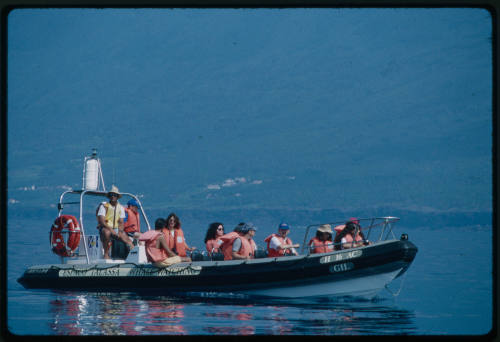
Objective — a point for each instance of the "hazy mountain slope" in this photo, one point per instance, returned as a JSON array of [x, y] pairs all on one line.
[[344, 109]]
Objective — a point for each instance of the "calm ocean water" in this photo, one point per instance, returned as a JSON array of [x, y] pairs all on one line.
[[447, 291]]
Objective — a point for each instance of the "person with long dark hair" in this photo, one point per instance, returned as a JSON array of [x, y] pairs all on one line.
[[212, 238], [351, 236], [175, 236], [157, 250]]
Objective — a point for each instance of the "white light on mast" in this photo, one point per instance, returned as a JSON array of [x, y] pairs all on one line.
[[92, 172]]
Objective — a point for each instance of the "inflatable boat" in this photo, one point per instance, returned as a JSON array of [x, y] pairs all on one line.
[[358, 271]]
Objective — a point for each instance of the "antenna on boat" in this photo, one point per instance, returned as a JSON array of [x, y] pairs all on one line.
[[92, 173]]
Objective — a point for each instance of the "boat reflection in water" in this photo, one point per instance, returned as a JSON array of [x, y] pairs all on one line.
[[131, 314], [110, 314]]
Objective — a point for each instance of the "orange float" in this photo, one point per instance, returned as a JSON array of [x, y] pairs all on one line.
[[62, 224]]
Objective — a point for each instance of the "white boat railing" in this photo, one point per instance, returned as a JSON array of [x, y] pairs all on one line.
[[81, 195], [367, 226]]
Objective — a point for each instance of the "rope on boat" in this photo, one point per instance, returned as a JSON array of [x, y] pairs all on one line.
[[172, 269], [84, 270], [400, 286], [177, 269]]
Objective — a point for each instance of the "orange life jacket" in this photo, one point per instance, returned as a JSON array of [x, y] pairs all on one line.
[[153, 253], [271, 252], [227, 244], [176, 242], [213, 245], [133, 223], [247, 247], [341, 227], [321, 246]]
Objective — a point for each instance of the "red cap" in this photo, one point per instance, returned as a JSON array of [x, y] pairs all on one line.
[[355, 220]]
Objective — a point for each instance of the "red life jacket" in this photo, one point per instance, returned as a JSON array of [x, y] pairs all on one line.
[[321, 246], [153, 253], [227, 244], [271, 252], [176, 242], [133, 223]]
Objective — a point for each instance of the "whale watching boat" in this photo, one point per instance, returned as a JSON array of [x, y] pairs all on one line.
[[359, 271]]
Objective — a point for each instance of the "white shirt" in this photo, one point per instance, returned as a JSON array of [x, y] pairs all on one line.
[[275, 244]]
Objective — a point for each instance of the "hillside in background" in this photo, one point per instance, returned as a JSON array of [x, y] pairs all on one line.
[[350, 110]]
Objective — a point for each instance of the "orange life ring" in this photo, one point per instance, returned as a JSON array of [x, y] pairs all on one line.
[[59, 246]]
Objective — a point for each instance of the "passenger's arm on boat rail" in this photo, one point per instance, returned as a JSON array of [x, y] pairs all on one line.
[[290, 248]]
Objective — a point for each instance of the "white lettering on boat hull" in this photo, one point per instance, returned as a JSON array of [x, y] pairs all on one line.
[[340, 256], [37, 271], [341, 267]]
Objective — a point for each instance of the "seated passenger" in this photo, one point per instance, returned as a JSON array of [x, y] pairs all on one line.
[[239, 244], [175, 236], [279, 244], [322, 242], [212, 238], [132, 222], [227, 241], [157, 250], [341, 227], [351, 236], [110, 216]]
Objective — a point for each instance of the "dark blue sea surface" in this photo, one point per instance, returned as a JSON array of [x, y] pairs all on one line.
[[446, 291]]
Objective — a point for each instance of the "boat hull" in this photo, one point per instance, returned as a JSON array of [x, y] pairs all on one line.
[[360, 271]]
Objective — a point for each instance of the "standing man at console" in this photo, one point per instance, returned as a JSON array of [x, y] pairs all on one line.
[[110, 217]]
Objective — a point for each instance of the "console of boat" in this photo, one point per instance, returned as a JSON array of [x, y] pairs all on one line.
[[358, 271]]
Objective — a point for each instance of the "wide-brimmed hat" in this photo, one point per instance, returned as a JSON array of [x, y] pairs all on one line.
[[114, 190], [325, 228]]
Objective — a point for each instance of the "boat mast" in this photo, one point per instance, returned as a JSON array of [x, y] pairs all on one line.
[[93, 180]]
